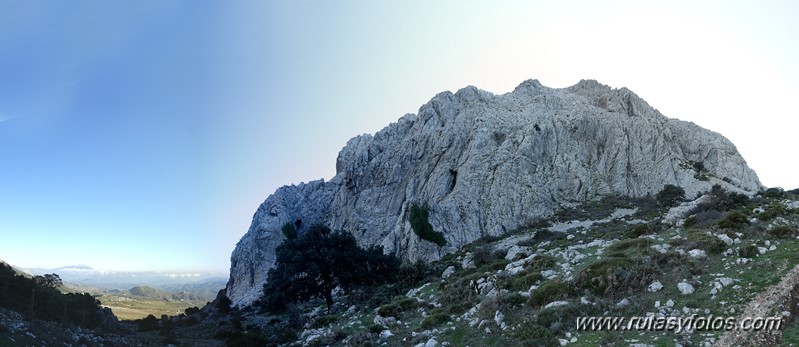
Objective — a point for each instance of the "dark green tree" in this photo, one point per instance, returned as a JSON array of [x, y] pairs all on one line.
[[419, 216], [222, 302], [289, 231], [317, 262], [670, 195]]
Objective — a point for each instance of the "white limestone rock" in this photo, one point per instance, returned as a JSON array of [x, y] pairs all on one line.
[[655, 286], [448, 272], [685, 288], [515, 251], [486, 164], [697, 254]]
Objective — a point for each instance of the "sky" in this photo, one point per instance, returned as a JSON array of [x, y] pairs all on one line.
[[143, 135]]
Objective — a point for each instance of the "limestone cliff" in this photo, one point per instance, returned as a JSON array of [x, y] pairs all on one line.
[[486, 164]]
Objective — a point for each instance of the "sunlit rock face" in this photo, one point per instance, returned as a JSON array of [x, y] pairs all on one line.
[[486, 164]]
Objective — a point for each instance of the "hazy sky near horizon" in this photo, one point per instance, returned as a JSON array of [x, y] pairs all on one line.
[[144, 134]]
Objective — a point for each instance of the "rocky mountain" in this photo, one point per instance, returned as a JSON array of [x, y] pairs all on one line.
[[484, 164]]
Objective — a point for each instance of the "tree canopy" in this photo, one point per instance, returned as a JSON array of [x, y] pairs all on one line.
[[317, 262], [670, 195]]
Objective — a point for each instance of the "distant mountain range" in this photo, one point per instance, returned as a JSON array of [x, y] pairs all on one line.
[[87, 278]]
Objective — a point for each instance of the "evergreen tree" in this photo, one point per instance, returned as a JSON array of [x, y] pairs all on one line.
[[317, 262]]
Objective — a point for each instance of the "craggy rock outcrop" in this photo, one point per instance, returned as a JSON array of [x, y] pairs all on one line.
[[486, 164]]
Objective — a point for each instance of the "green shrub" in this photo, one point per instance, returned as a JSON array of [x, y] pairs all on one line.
[[550, 291], [774, 193], [748, 251], [543, 262], [434, 320], [419, 219], [637, 231], [734, 220], [629, 245], [771, 211], [562, 317], [324, 321], [523, 283], [289, 231], [532, 334], [458, 297], [407, 304], [495, 266], [670, 195], [502, 302], [375, 328], [390, 310], [782, 232], [689, 222], [614, 276], [703, 241]]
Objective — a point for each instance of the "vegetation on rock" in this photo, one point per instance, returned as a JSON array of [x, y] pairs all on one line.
[[418, 217]]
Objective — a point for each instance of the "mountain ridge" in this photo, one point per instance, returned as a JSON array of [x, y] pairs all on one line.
[[485, 164]]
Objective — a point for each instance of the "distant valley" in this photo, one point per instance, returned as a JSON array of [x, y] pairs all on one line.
[[136, 294]]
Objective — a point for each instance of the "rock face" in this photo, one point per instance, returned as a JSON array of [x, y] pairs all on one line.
[[486, 164]]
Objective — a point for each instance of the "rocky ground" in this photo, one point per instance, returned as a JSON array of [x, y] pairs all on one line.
[[609, 258]]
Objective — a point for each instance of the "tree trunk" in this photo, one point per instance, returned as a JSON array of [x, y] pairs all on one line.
[[329, 299]]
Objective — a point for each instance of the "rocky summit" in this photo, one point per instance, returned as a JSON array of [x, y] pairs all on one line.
[[483, 164]]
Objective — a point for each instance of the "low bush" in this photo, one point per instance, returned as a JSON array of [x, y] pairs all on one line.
[[560, 318], [484, 255], [543, 262], [532, 334], [375, 328], [550, 291], [503, 303], [703, 241], [458, 297], [748, 251], [703, 218], [434, 320], [615, 276], [637, 231], [323, 321], [771, 211], [782, 232], [631, 245], [774, 193], [523, 283], [390, 310], [734, 220]]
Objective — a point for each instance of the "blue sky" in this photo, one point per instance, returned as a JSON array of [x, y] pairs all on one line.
[[144, 134]]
